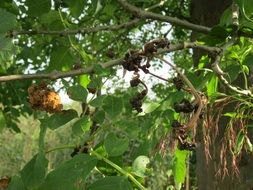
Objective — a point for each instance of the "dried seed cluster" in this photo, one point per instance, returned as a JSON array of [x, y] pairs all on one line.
[[137, 101], [43, 98], [132, 61], [179, 84], [184, 106], [152, 46], [186, 146], [180, 133], [79, 149]]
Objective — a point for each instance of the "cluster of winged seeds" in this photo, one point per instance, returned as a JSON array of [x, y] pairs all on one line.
[[43, 98]]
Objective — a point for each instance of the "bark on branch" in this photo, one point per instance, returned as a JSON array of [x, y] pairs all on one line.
[[154, 16]]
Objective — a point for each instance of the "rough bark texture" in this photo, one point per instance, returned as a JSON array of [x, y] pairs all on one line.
[[208, 12]]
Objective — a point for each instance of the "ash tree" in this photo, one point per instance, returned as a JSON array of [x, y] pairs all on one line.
[[188, 128]]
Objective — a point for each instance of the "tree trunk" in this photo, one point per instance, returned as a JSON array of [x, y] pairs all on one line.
[[208, 12]]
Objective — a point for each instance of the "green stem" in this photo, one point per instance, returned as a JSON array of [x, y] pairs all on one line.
[[43, 130], [60, 148], [122, 171]]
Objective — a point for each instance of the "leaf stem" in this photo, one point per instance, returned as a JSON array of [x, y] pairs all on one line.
[[43, 130], [60, 148], [121, 170]]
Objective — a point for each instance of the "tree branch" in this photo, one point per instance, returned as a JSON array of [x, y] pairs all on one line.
[[220, 74], [174, 21], [129, 24], [57, 74]]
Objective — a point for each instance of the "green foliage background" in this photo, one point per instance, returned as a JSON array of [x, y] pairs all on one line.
[[123, 153]]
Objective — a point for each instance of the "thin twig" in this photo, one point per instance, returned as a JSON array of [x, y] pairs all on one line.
[[57, 74], [158, 77], [200, 101], [66, 32]]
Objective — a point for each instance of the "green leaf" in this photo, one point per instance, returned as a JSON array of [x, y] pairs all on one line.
[[226, 18], [139, 165], [112, 106], [248, 144], [16, 183], [115, 146], [61, 59], [233, 71], [97, 102], [131, 127], [34, 172], [111, 183], [70, 173], [76, 7], [109, 9], [51, 20], [98, 8], [2, 121], [37, 8], [59, 119], [96, 82], [245, 69], [230, 114], [179, 166], [99, 117], [82, 125], [212, 86], [84, 80], [219, 31], [239, 142], [150, 107], [77, 93], [7, 21]]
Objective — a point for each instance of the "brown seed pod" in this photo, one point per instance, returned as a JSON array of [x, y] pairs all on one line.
[[110, 53], [184, 106], [92, 90], [76, 151], [179, 84], [132, 61], [176, 124], [135, 82]]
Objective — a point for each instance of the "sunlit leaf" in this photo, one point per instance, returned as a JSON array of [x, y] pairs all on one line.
[[139, 165], [179, 166], [82, 125]]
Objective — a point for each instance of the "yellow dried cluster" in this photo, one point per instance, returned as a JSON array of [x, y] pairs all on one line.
[[43, 98]]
